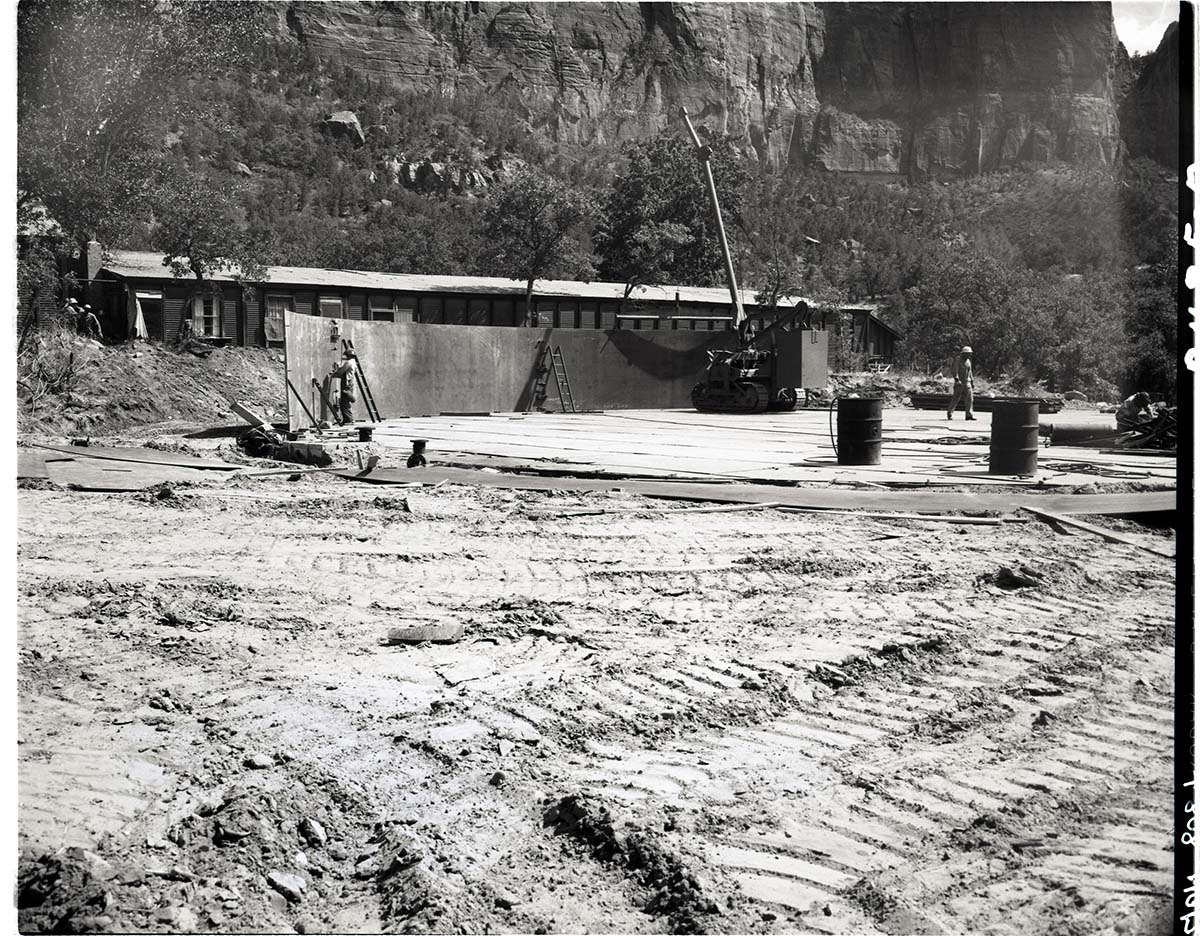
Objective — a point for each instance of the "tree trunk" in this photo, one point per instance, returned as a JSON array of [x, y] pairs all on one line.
[[530, 315], [624, 297]]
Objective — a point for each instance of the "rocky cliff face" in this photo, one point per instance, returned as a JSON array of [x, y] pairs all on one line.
[[1150, 111], [896, 89]]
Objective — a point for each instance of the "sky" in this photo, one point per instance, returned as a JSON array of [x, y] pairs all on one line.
[[1141, 23]]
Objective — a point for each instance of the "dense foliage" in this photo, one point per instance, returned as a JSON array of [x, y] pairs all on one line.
[[656, 224], [1060, 275], [535, 228]]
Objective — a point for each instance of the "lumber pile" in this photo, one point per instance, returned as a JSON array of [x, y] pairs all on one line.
[[983, 402], [1159, 432]]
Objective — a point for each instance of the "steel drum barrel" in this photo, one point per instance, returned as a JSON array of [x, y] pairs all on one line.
[[859, 430], [1014, 442]]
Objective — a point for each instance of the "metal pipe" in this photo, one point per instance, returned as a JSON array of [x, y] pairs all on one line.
[[703, 152]]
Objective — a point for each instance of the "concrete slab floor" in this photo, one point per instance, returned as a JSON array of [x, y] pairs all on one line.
[[919, 446]]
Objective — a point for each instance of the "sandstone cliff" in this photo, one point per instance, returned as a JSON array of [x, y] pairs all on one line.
[[1150, 111], [912, 89]]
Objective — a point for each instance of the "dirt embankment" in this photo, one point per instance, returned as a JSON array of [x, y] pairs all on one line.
[[67, 384]]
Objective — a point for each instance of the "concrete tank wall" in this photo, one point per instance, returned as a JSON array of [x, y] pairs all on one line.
[[417, 370]]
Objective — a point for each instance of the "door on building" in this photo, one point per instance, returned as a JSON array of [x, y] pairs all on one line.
[[151, 302]]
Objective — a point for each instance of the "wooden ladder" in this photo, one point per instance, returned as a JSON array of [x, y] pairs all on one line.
[[559, 366], [364, 388], [551, 362]]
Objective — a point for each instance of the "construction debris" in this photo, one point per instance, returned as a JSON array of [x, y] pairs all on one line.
[[1158, 432], [249, 415], [426, 633], [1110, 535], [264, 442]]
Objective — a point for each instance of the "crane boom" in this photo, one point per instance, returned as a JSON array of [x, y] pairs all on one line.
[[703, 152]]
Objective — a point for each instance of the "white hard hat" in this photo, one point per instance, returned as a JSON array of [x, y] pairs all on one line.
[[967, 349]]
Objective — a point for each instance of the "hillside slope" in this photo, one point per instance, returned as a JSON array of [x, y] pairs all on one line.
[[118, 387], [900, 89], [1150, 111]]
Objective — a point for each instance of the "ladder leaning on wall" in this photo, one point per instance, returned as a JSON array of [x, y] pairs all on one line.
[[551, 363]]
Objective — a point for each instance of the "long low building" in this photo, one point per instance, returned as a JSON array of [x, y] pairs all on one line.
[[227, 312]]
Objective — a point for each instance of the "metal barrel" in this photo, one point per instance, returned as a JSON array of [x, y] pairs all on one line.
[[859, 430], [1014, 443], [365, 433]]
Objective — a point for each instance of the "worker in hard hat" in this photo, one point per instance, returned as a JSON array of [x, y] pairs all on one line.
[[344, 373], [964, 385], [90, 325]]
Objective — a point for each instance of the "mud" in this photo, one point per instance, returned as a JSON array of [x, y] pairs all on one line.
[[646, 727]]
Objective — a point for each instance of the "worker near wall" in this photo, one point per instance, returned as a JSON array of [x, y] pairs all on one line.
[[344, 372], [1133, 411], [964, 385], [89, 324]]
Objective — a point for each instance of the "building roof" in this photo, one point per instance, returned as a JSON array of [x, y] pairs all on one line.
[[880, 322], [136, 264]]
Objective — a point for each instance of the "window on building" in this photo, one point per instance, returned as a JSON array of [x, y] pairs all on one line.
[[456, 310], [568, 313], [502, 312], [431, 310], [381, 308], [587, 314], [206, 316], [545, 312], [331, 307], [273, 317], [406, 308], [479, 312], [608, 315]]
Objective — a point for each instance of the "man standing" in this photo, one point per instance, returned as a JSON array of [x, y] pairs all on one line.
[[344, 372], [91, 324], [964, 385]]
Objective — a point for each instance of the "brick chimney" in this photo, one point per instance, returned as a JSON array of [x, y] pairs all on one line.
[[93, 259]]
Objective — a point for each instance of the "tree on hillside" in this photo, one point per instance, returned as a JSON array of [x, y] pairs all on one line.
[[963, 297], [199, 232], [776, 240], [1069, 329], [656, 222], [647, 256], [1152, 325], [533, 229], [97, 80]]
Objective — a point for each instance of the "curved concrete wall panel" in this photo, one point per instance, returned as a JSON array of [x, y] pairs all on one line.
[[417, 370]]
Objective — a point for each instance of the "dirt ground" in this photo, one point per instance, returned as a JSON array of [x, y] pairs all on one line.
[[680, 722]]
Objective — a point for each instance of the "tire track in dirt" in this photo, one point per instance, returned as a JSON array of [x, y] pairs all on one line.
[[908, 800], [714, 706], [839, 734]]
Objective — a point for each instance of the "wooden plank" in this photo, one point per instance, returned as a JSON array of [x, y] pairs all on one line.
[[811, 497], [551, 469], [725, 508], [145, 456], [934, 518], [431, 633], [94, 474], [1110, 535], [249, 415], [31, 465]]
